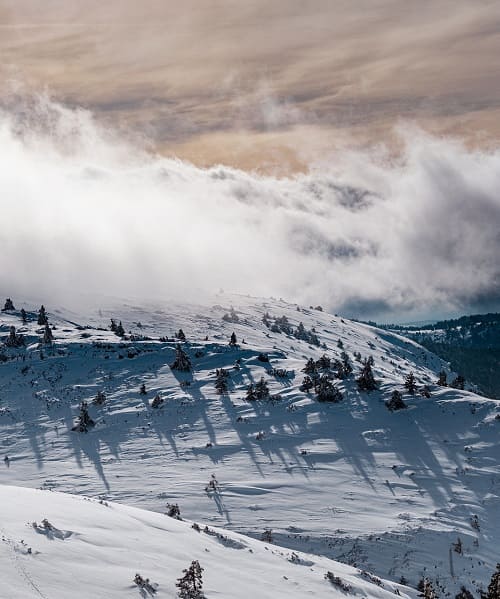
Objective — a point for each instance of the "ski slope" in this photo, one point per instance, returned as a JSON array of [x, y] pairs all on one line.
[[387, 492]]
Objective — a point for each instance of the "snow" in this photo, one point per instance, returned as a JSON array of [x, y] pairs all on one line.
[[387, 492], [95, 548]]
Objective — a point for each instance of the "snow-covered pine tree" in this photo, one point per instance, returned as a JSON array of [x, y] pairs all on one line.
[[396, 402], [84, 421], [42, 316], [221, 376], [120, 331], [442, 379], [366, 380], [14, 340], [233, 341], [251, 395], [9, 305], [47, 338], [307, 384], [261, 389], [346, 363], [326, 391], [191, 584], [180, 335], [182, 361], [310, 367], [24, 316], [410, 383]]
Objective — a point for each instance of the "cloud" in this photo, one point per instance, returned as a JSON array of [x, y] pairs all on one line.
[[85, 212]]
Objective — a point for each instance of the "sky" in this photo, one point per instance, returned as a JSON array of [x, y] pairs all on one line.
[[330, 151]]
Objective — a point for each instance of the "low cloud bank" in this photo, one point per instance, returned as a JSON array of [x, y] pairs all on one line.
[[83, 212]]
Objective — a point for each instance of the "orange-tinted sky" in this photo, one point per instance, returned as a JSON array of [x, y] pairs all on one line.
[[259, 84]]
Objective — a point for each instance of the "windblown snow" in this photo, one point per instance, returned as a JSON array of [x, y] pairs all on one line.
[[406, 495]]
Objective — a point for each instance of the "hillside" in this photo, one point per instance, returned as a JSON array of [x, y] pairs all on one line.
[[471, 344], [89, 548], [388, 492]]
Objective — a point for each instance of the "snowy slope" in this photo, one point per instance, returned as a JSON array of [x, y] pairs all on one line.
[[387, 492], [95, 549]]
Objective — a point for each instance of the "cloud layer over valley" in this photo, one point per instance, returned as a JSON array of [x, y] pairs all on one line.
[[364, 234]]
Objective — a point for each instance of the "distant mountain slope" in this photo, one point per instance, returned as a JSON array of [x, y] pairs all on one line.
[[89, 548], [471, 344], [389, 492]]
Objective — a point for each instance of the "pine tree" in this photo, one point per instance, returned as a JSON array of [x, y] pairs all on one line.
[[142, 389], [442, 379], [410, 383], [191, 584], [326, 391], [346, 363], [84, 421], [323, 363], [42, 316], [182, 361], [180, 335], [366, 380], [494, 586], [9, 305], [261, 389], [233, 341], [310, 367], [14, 340], [426, 589], [24, 316], [119, 330], [251, 395], [47, 338], [464, 594], [307, 384], [221, 375], [99, 399], [396, 402]]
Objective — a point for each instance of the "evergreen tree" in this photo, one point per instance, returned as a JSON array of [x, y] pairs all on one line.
[[346, 363], [410, 383], [182, 361], [340, 345], [261, 389], [494, 586], [42, 316], [307, 384], [426, 589], [251, 395], [323, 363], [47, 338], [233, 341], [99, 399], [180, 335], [14, 340], [326, 391], [366, 380], [310, 367], [142, 389], [396, 402], [24, 316], [84, 421], [221, 376], [9, 305], [119, 330], [442, 379], [464, 594], [191, 584]]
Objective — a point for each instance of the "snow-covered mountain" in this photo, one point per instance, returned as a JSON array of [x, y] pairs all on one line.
[[411, 493]]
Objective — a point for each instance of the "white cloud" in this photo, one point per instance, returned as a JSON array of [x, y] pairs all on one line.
[[85, 212]]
